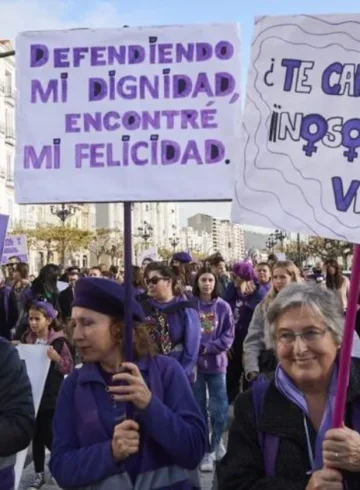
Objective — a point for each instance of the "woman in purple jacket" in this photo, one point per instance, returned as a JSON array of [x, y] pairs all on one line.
[[95, 445], [217, 328]]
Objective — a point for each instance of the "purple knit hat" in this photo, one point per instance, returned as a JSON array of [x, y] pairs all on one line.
[[48, 309], [244, 270]]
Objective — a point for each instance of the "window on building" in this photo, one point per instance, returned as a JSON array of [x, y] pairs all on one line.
[[41, 261], [85, 261], [9, 172], [8, 81]]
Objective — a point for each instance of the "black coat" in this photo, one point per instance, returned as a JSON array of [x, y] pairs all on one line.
[[17, 415], [66, 298], [242, 468], [8, 321]]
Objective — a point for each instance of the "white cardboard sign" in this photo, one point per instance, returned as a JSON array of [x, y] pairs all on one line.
[[37, 366], [300, 159], [136, 114]]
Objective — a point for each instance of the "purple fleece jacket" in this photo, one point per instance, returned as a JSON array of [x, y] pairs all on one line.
[[217, 327]]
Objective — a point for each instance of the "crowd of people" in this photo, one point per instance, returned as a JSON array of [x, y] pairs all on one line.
[[263, 338]]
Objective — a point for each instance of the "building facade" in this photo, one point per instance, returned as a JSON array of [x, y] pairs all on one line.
[[7, 135], [228, 239], [153, 224]]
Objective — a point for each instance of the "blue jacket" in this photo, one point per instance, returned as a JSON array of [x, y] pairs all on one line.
[[172, 433]]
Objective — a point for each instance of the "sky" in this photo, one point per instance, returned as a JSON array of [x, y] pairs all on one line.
[[24, 15]]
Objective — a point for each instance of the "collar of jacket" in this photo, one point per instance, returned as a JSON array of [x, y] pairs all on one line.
[[284, 418]]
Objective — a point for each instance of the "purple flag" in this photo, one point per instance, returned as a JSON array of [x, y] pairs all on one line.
[[4, 219]]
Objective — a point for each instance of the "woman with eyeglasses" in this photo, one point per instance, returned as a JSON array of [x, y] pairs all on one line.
[[281, 437], [173, 321]]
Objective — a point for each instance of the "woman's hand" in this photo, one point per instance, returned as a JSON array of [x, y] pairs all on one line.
[[126, 440], [341, 449], [53, 355], [326, 479], [15, 342], [135, 391]]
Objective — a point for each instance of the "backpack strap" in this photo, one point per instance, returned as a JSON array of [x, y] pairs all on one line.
[[268, 443]]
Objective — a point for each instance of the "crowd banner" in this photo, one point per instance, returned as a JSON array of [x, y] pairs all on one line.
[[301, 128], [300, 139], [4, 220], [37, 366], [15, 246], [149, 253], [136, 114]]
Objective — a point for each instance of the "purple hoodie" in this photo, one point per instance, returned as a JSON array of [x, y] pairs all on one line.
[[185, 333], [217, 327]]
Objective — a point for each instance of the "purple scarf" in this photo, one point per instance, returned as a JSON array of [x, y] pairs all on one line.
[[287, 387]]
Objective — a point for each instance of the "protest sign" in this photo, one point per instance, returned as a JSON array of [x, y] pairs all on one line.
[[4, 219], [301, 128], [136, 114], [15, 246], [37, 366], [149, 253]]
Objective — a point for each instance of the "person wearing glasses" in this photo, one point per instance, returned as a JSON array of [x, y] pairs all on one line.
[[172, 320], [281, 437]]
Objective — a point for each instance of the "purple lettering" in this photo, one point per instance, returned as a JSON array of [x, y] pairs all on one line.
[[38, 92], [109, 157], [116, 56], [203, 51], [31, 159], [202, 85], [79, 54], [39, 55], [170, 118], [170, 152], [111, 121], [136, 54], [224, 84], [165, 53], [189, 118], [191, 152], [127, 90], [98, 89], [185, 52], [343, 201], [81, 153], [327, 87], [61, 56], [151, 120], [97, 155], [207, 118], [97, 56], [290, 66], [92, 121], [182, 86], [134, 153], [145, 85], [71, 121], [131, 120], [224, 50], [214, 151]]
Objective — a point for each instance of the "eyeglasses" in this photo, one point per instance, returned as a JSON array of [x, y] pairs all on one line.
[[154, 280], [311, 336]]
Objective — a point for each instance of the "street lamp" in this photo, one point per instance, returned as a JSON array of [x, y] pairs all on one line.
[[271, 242], [281, 236], [145, 232], [174, 242], [63, 212]]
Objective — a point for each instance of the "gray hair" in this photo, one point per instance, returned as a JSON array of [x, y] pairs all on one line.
[[324, 303]]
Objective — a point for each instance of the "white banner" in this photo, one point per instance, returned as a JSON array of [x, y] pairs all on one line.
[[135, 114], [149, 253], [301, 128], [37, 366], [16, 246]]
